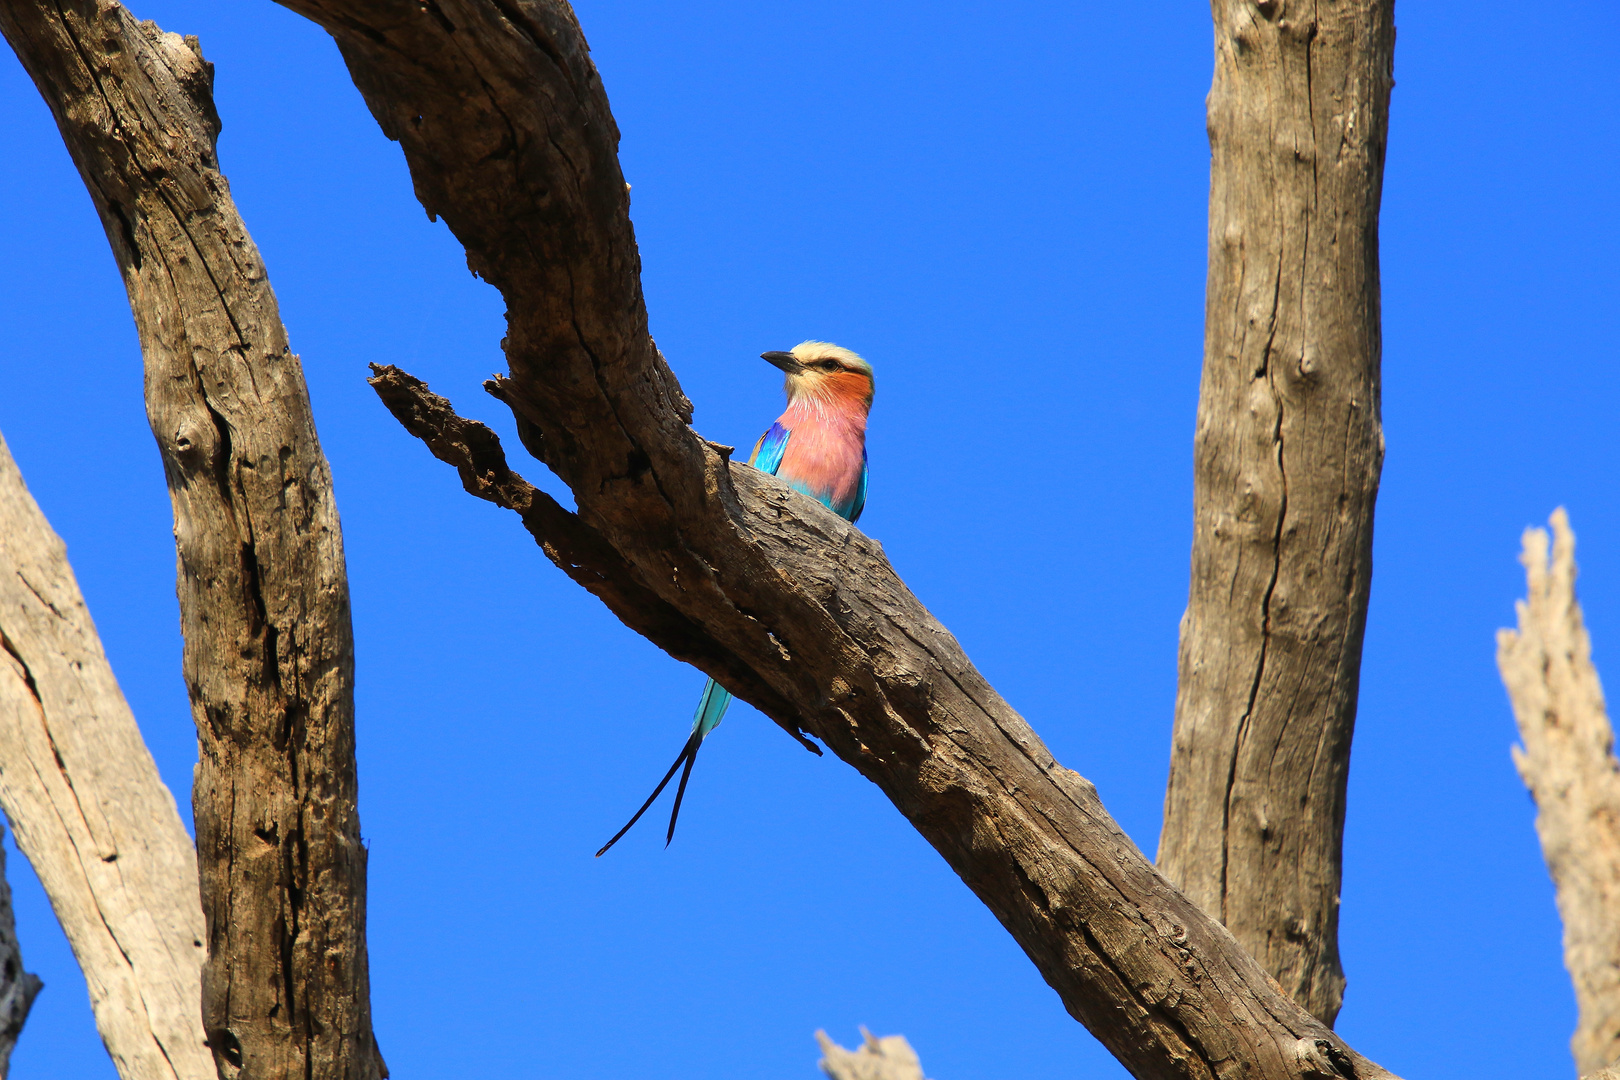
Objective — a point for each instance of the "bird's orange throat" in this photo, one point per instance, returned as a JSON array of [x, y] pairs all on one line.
[[846, 393]]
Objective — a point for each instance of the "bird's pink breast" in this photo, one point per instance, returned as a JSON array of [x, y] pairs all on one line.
[[826, 450]]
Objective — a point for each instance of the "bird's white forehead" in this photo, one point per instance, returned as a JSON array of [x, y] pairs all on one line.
[[808, 352]]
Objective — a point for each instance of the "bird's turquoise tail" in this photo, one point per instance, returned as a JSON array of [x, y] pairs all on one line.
[[710, 711]]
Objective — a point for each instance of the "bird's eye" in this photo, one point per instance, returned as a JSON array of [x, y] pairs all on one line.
[[830, 365]]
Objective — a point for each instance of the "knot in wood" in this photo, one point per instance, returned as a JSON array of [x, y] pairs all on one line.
[[1319, 1059]]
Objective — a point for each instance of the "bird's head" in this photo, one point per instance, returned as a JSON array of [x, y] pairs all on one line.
[[823, 372]]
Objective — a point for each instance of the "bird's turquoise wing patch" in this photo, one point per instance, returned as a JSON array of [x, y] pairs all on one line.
[[767, 455]]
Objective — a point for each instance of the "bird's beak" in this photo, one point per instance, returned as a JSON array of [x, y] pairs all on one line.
[[784, 360]]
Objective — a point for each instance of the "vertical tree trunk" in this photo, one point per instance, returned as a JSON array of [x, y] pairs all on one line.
[[1287, 456], [1568, 764], [91, 813], [264, 602]]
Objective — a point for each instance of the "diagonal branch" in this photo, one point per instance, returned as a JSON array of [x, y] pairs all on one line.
[[1568, 763], [1168, 990], [508, 135], [576, 549], [90, 811]]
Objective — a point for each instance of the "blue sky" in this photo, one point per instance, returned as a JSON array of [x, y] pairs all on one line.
[[1004, 209]]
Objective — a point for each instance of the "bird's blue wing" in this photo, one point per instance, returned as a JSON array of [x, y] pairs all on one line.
[[860, 492], [767, 455]]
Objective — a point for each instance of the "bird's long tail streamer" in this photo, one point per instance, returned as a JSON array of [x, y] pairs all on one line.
[[710, 711], [688, 755]]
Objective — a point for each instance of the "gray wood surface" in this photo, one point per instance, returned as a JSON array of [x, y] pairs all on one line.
[[1568, 763], [1287, 455], [507, 132], [264, 602], [90, 811], [822, 635]]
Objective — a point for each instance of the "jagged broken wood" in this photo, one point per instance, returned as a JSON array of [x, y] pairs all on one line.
[[264, 600], [1287, 455], [1569, 765], [888, 1058], [18, 985], [90, 811]]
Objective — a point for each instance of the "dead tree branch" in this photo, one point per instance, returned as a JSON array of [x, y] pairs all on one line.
[[264, 600], [1286, 463], [509, 138], [1569, 765], [90, 811], [1129, 955], [888, 1058]]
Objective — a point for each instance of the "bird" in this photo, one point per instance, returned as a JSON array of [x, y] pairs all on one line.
[[818, 445]]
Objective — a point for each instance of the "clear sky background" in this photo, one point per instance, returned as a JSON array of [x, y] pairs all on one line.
[[1003, 207]]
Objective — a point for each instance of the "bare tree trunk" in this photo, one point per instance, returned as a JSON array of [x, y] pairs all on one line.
[[91, 812], [18, 987], [1568, 763], [264, 599], [1287, 458]]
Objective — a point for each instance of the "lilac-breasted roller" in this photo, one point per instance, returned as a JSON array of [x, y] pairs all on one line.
[[819, 447]]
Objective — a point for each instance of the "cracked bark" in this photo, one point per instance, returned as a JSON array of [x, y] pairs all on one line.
[[1568, 763], [508, 135], [263, 594], [1286, 463], [863, 666], [90, 812]]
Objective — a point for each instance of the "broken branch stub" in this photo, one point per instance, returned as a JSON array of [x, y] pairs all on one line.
[[1568, 763]]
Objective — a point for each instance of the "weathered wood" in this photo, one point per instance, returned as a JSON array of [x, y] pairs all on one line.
[[1569, 765], [508, 135], [264, 601], [1286, 463], [90, 811], [18, 986], [822, 635], [888, 1058]]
